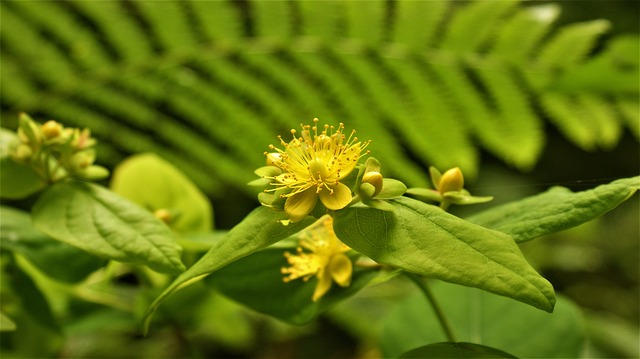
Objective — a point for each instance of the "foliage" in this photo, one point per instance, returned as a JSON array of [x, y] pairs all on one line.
[[199, 80], [198, 89]]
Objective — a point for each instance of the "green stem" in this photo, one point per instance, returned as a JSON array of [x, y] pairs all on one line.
[[424, 288]]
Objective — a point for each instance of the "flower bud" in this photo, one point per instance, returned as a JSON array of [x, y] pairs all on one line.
[[83, 160], [51, 129], [82, 139], [451, 181], [375, 179], [164, 215]]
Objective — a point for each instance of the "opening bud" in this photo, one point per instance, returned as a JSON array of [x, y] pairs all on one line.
[[451, 181], [375, 179]]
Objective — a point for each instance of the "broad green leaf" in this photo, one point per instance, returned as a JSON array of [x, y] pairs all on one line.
[[56, 259], [426, 240], [260, 229], [6, 324], [37, 331], [256, 281], [16, 180], [104, 224], [480, 317], [556, 209], [455, 350], [28, 297], [155, 184]]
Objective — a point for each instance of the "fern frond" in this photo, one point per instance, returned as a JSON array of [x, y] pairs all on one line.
[[208, 84]]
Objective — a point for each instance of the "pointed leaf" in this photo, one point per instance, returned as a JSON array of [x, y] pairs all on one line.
[[260, 229], [426, 240], [56, 259], [102, 223], [555, 210]]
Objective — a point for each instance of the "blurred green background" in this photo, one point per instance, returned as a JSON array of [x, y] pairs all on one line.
[[521, 95]]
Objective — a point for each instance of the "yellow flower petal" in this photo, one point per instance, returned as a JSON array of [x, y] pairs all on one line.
[[300, 204], [341, 269], [323, 286], [339, 199]]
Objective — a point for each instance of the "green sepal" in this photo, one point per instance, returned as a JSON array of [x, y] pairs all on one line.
[[268, 171], [96, 220], [93, 173], [30, 128], [425, 194], [391, 188], [260, 182], [366, 191], [463, 197], [436, 176]]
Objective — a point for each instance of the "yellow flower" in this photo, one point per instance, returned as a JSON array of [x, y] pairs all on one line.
[[313, 165], [326, 259]]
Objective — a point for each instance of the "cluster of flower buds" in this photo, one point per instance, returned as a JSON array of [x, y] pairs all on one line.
[[449, 189], [55, 152]]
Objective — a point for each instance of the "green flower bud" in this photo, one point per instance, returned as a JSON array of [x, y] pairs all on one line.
[[83, 160], [451, 181]]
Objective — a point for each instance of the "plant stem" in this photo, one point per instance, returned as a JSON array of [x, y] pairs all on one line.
[[424, 287]]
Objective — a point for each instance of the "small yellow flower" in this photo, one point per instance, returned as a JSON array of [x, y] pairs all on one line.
[[313, 165], [326, 259]]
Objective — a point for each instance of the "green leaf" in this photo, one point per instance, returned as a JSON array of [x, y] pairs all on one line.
[[391, 188], [256, 281], [426, 240], [480, 317], [154, 183], [260, 229], [102, 223], [556, 209], [16, 180], [56, 259], [455, 350], [30, 299], [6, 324]]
